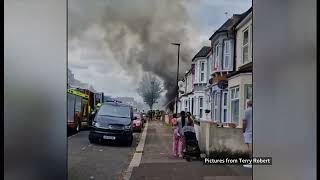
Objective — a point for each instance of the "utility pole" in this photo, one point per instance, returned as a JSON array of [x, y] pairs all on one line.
[[177, 95]]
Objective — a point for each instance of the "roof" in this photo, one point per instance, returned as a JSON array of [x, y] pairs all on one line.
[[243, 69], [231, 23], [205, 50], [244, 18]]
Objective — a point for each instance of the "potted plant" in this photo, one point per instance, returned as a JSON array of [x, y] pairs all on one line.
[[232, 125]]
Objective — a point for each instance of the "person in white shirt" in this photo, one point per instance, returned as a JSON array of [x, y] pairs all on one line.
[[247, 129]]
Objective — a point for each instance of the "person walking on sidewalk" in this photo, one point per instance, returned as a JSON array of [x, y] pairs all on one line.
[[176, 136], [181, 123], [247, 130]]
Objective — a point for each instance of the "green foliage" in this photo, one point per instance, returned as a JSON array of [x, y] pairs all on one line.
[[150, 89], [227, 153]]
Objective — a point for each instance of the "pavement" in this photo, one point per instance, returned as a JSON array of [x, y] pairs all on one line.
[[158, 163], [149, 158], [97, 161]]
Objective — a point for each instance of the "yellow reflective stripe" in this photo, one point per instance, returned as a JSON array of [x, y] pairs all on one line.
[[77, 93]]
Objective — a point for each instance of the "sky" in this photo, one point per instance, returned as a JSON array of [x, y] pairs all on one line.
[[111, 43]]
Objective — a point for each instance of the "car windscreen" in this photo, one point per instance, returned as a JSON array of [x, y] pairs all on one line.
[[114, 110]]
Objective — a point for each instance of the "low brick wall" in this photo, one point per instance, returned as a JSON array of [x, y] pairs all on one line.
[[197, 129], [212, 137]]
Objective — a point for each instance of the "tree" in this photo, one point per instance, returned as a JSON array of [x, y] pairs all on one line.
[[150, 89]]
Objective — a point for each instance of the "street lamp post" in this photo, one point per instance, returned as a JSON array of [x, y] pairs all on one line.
[[177, 95]]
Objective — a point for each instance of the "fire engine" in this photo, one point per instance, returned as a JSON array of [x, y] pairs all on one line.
[[81, 104]]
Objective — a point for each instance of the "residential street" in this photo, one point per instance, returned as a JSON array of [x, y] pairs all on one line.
[[111, 161], [141, 79], [91, 161], [158, 163]]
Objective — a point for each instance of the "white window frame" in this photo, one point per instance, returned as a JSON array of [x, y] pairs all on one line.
[[250, 42], [227, 53], [234, 97], [246, 86], [216, 98], [201, 107], [224, 106], [202, 71], [186, 105], [211, 106], [193, 73], [216, 57], [210, 64], [247, 45], [202, 77]]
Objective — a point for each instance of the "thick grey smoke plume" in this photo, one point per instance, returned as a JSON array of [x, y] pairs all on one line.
[[139, 32]]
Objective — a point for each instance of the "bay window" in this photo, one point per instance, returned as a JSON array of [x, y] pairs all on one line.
[[202, 72], [234, 99], [200, 106], [210, 65], [248, 93], [186, 105], [216, 57], [216, 97], [246, 46], [224, 106], [226, 54]]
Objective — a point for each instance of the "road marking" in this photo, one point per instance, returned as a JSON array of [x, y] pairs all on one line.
[[136, 159], [142, 141]]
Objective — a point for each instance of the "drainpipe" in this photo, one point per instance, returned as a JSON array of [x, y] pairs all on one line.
[[220, 105], [234, 50], [186, 83]]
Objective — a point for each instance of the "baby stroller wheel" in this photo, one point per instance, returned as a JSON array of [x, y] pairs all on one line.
[[184, 155], [198, 157]]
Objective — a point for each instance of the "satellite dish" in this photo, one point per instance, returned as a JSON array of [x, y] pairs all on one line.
[[223, 84]]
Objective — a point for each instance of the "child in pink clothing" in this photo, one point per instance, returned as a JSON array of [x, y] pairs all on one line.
[[176, 136]]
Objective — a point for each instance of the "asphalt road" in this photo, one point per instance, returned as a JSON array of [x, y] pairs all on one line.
[[97, 161]]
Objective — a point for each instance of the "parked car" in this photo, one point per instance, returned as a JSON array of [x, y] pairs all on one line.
[[144, 117], [138, 123], [113, 122]]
